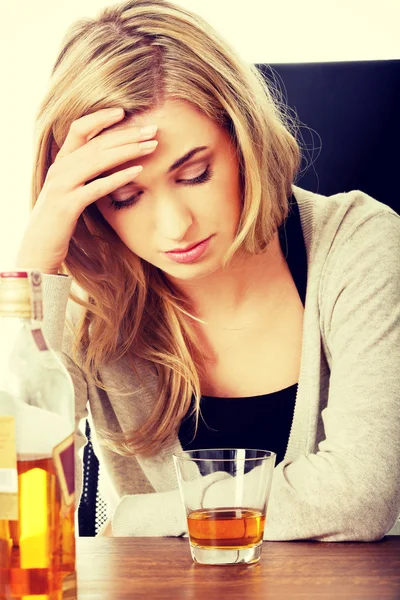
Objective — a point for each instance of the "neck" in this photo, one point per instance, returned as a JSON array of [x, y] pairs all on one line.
[[225, 295]]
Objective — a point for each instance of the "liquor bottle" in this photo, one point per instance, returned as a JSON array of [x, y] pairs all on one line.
[[37, 538]]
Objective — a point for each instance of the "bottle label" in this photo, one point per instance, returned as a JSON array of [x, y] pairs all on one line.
[[8, 470], [35, 279], [64, 462], [39, 340]]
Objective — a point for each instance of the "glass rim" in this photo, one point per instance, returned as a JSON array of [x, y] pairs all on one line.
[[182, 457]]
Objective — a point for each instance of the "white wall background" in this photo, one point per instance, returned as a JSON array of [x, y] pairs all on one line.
[[261, 30]]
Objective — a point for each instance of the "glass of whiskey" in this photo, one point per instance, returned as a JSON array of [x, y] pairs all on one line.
[[225, 492]]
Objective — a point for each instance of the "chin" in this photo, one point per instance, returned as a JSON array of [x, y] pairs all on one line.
[[191, 271]]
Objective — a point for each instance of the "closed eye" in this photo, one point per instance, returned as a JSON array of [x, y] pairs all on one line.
[[203, 178]]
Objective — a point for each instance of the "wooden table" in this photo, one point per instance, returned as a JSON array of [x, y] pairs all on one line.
[[162, 568]]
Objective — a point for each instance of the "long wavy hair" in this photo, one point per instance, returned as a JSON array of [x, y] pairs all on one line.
[[136, 55]]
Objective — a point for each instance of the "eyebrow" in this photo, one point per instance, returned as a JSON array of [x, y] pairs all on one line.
[[186, 157]]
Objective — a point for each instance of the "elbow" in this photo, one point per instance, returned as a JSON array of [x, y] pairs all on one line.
[[371, 510], [370, 523], [356, 528], [376, 529], [372, 533], [361, 518]]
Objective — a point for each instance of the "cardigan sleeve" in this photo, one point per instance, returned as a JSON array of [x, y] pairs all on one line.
[[56, 290], [350, 489]]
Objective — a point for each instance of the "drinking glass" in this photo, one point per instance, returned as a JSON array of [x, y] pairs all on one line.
[[225, 492]]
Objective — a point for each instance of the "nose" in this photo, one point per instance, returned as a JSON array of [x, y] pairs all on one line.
[[173, 219]]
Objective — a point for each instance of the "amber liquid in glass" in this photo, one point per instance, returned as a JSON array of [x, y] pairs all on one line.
[[37, 552], [226, 527]]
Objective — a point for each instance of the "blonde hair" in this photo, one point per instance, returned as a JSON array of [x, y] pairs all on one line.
[[136, 55]]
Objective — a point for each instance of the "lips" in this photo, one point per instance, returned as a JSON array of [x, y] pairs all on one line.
[[190, 247], [194, 252]]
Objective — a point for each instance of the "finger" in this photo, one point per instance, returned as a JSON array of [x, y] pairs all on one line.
[[103, 186], [112, 138], [84, 129], [82, 167]]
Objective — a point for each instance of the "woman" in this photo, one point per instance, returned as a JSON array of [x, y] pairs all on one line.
[[192, 252]]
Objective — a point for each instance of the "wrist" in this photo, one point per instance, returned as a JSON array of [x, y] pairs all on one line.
[[29, 265]]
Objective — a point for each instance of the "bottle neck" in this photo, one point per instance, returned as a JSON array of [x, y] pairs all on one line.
[[21, 295], [15, 320], [12, 326], [14, 317], [17, 330]]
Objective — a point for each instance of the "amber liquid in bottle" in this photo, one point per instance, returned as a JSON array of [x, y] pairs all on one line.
[[37, 552], [226, 527]]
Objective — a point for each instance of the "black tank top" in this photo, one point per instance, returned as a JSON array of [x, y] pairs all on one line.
[[264, 421]]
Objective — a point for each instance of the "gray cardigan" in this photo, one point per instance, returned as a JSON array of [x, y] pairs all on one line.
[[340, 478]]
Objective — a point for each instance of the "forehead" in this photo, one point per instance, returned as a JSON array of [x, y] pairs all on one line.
[[175, 118]]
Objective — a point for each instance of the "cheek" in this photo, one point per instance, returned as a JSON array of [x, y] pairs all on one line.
[[124, 223], [102, 206], [230, 176], [135, 238], [227, 200]]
